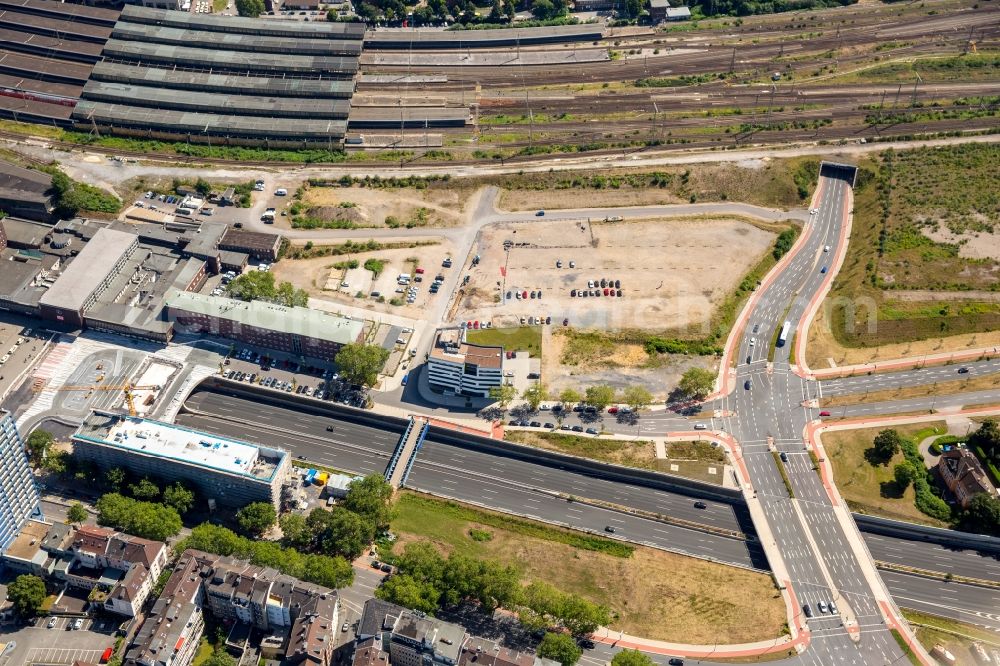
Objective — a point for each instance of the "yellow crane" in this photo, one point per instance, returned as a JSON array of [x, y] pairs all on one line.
[[127, 389]]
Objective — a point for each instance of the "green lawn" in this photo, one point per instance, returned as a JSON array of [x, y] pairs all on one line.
[[871, 489], [654, 593], [523, 338]]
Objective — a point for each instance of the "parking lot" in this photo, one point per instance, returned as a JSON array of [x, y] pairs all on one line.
[[56, 646], [281, 372], [650, 274], [19, 346]]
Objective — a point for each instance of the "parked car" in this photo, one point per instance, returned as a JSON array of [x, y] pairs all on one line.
[[824, 413]]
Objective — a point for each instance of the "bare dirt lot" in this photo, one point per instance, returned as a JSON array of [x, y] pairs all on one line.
[[671, 273], [385, 207], [324, 277]]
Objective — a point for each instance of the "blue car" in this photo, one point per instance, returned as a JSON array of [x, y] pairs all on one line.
[[406, 378], [540, 213], [823, 270]]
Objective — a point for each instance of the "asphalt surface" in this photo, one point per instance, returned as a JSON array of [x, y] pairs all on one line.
[[510, 485], [767, 414]]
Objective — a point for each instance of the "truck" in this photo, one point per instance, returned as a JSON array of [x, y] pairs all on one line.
[[268, 216]]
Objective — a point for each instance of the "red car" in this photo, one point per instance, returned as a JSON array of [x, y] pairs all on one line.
[[475, 324], [419, 271], [605, 291], [824, 413], [524, 294], [612, 410]]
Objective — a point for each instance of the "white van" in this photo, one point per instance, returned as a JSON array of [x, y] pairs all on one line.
[[280, 192]]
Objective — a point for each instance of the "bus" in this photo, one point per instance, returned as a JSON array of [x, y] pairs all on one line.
[[783, 336]]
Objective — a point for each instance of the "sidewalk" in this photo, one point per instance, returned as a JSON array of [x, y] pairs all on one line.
[[623, 640], [941, 358]]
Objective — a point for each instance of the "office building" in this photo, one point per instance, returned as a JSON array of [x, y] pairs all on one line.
[[228, 471], [295, 330], [456, 367], [19, 501]]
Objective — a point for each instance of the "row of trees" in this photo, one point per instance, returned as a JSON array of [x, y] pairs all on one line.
[[145, 519], [428, 581], [562, 648], [599, 396], [333, 572], [465, 12]]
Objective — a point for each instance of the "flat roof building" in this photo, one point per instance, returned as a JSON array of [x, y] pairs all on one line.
[[24, 192], [296, 330], [19, 501], [87, 276], [231, 472], [459, 368]]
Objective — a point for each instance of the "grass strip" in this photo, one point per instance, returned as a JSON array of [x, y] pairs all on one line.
[[784, 474], [513, 524], [905, 647]]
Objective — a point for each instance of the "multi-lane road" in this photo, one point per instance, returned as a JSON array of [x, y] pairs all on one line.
[[818, 555], [524, 488]]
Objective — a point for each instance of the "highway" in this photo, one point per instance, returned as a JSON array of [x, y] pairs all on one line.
[[510, 485]]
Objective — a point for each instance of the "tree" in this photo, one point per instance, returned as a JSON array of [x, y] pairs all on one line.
[[987, 436], [251, 8], [535, 395], [295, 530], [560, 647], [408, 592], [260, 286], [637, 397], [77, 513], [179, 496], [633, 8], [145, 490], [631, 658], [360, 363], [570, 396], [503, 394], [371, 497], [144, 519], [904, 474], [599, 396], [696, 382], [39, 442], [116, 478], [220, 657], [335, 572], [347, 534], [203, 187], [543, 9], [256, 518], [984, 513], [27, 593], [886, 444]]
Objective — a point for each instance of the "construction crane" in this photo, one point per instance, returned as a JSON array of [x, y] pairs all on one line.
[[127, 389]]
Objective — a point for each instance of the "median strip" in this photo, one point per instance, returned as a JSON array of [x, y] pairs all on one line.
[[784, 474], [937, 575], [659, 517]]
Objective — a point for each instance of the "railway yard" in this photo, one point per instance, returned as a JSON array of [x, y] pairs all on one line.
[[856, 73]]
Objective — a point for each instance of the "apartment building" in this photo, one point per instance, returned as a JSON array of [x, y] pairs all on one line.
[[456, 367]]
